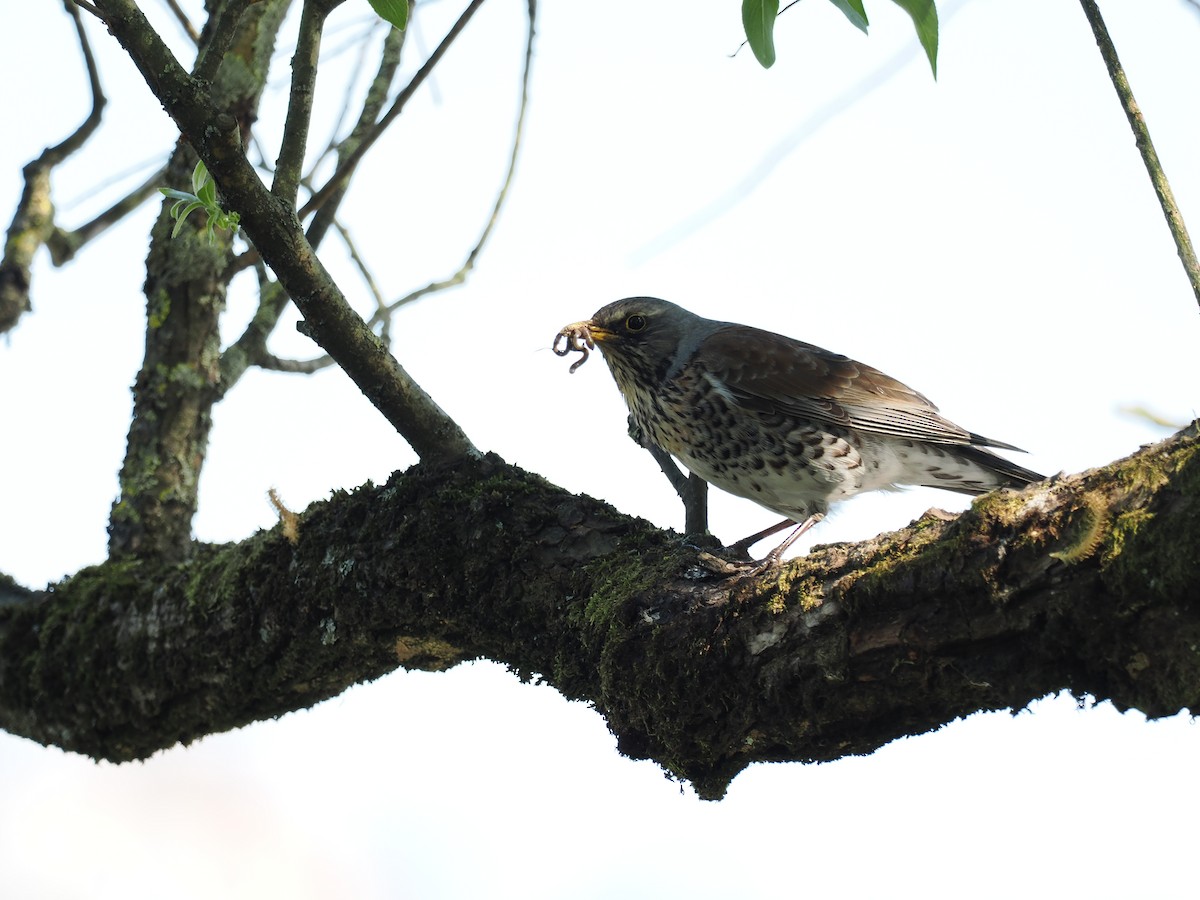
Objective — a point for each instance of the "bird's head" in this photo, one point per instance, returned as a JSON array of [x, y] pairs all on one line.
[[643, 334]]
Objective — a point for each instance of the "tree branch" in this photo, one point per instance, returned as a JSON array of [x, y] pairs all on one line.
[[63, 244], [1086, 584], [299, 115], [275, 230], [184, 22], [1166, 198], [217, 39], [33, 221], [464, 270], [346, 166]]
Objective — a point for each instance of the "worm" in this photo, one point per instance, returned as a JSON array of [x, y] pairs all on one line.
[[574, 338]]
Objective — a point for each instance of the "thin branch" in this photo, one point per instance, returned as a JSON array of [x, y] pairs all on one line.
[[469, 263], [383, 311], [362, 43], [213, 50], [373, 102], [33, 220], [299, 114], [347, 166], [1166, 198], [364, 270], [56, 154], [88, 8], [63, 244], [250, 348], [184, 22], [267, 360], [273, 363]]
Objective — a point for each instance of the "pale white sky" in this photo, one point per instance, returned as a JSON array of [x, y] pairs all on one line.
[[989, 238]]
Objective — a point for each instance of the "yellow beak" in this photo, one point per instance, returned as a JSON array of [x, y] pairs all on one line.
[[597, 332]]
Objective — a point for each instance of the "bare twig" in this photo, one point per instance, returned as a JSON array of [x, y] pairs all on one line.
[[299, 114], [184, 22], [33, 221], [273, 363], [56, 154], [63, 245], [212, 51], [251, 345], [362, 44], [383, 311], [264, 359], [367, 276], [88, 8], [1183, 243], [469, 263], [347, 166], [373, 102], [250, 349]]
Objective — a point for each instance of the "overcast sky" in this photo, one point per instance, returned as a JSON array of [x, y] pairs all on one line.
[[990, 238]]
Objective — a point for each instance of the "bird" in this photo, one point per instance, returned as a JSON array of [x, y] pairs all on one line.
[[789, 425]]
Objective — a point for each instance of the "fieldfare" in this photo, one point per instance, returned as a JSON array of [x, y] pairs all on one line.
[[786, 424]]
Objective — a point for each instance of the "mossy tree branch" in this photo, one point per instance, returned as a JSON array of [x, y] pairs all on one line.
[[179, 381], [1085, 584]]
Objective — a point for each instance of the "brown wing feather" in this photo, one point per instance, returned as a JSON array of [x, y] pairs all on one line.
[[773, 373]]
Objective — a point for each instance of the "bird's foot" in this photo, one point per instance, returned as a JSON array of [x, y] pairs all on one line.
[[735, 560]]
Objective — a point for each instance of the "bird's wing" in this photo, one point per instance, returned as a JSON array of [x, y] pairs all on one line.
[[768, 372]]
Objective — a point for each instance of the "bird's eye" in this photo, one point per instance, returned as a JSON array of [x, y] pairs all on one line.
[[635, 323]]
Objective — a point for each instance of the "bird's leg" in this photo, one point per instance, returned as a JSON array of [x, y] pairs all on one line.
[[695, 506], [742, 547], [691, 488], [773, 557]]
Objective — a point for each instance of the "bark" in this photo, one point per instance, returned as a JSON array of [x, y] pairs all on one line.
[[1087, 583], [186, 284]]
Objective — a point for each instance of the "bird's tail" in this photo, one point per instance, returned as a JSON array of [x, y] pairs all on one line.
[[1000, 471]]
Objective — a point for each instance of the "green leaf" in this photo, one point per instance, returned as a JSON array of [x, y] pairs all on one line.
[[176, 195], [853, 10], [199, 177], [183, 217], [393, 11], [758, 18], [924, 16]]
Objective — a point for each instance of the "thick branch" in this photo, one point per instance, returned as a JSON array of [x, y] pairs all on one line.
[[1087, 584], [179, 382]]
